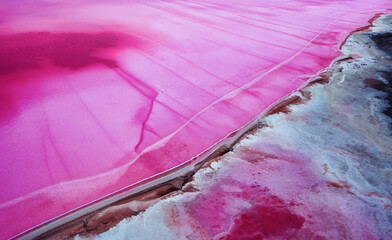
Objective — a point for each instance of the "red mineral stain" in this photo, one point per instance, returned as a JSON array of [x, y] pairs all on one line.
[[269, 215], [260, 222]]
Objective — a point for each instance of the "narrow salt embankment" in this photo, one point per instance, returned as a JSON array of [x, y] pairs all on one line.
[[321, 169]]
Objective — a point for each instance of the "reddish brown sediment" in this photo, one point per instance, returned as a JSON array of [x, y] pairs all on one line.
[[283, 106], [363, 28], [107, 217]]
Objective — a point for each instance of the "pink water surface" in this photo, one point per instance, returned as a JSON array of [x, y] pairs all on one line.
[[99, 95]]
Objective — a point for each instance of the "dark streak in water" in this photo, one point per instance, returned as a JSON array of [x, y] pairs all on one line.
[[74, 51]]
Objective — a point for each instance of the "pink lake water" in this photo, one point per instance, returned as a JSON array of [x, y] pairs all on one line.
[[97, 96]]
